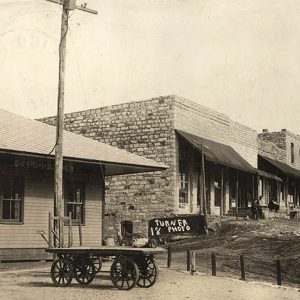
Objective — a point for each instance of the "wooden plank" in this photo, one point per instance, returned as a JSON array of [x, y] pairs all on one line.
[[106, 250], [50, 235]]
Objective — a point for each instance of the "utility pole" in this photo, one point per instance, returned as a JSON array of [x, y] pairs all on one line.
[[58, 177]]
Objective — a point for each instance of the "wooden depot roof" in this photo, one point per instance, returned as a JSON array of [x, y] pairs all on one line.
[[20, 135]]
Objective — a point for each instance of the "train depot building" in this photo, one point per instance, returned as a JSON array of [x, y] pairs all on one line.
[[196, 143], [27, 184]]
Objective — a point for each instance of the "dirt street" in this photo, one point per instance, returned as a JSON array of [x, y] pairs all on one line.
[[36, 284]]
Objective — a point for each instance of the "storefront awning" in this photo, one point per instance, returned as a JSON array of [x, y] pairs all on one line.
[[268, 175], [217, 152], [284, 168]]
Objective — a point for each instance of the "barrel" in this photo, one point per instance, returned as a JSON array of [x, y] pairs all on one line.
[[110, 241]]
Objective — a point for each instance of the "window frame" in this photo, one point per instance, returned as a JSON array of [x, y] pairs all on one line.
[[21, 200], [73, 185], [185, 182], [292, 153], [217, 186]]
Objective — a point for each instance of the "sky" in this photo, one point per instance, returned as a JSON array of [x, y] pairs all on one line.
[[239, 57]]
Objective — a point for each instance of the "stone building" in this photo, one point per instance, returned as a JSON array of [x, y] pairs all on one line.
[[279, 153], [174, 131]]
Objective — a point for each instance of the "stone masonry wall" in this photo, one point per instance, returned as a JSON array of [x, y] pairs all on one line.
[[283, 140], [277, 138], [271, 150], [144, 128]]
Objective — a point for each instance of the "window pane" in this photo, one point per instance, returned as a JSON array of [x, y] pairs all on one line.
[[70, 209], [16, 210], [184, 187], [75, 193], [7, 192], [12, 199], [6, 209], [16, 189], [78, 195]]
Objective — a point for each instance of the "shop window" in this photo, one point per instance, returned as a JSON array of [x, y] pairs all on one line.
[[217, 193], [184, 181], [217, 186], [261, 187], [75, 200], [127, 229], [292, 153], [12, 200], [232, 186], [184, 187]]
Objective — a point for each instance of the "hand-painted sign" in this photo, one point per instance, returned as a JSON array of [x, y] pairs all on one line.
[[176, 225]]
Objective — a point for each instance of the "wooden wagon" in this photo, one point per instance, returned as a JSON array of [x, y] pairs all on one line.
[[131, 266]]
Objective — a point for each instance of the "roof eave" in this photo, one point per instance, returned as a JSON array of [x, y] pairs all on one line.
[[136, 168]]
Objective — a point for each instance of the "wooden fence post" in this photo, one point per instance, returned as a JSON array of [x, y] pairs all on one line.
[[243, 277], [169, 257], [278, 271], [213, 265], [80, 231], [193, 259], [61, 231], [70, 230], [50, 233], [188, 260]]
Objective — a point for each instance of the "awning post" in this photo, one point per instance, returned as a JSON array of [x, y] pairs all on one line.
[[237, 195], [222, 192]]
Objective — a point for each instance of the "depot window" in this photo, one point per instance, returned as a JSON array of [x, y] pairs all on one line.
[[75, 201], [12, 200]]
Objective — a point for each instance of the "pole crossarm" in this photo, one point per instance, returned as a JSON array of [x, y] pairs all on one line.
[[79, 7]]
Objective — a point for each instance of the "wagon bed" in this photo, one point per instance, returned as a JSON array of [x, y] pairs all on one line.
[[131, 266]]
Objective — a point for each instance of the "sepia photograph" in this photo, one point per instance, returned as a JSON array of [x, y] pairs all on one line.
[[149, 149]]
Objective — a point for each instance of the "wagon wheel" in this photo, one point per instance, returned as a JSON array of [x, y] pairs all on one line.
[[124, 273], [61, 272], [97, 260], [84, 270], [148, 271], [153, 243]]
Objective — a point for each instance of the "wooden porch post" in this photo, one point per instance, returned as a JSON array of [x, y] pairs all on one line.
[[286, 192], [237, 195], [199, 193], [253, 187], [257, 186], [222, 192]]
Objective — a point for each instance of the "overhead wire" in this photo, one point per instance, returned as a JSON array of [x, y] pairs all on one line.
[[68, 29]]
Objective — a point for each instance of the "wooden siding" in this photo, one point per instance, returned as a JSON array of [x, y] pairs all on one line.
[[38, 202], [92, 230]]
